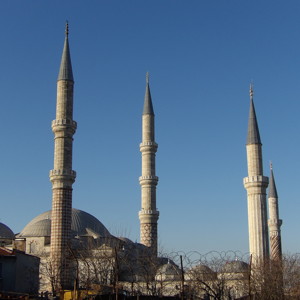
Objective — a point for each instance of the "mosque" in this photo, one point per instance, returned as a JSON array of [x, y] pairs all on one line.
[[53, 235]]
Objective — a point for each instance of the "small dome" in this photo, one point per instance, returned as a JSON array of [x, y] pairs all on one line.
[[168, 272], [168, 269], [83, 224], [235, 266], [201, 272], [203, 269], [6, 232]]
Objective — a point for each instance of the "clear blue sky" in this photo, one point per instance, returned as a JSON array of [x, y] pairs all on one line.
[[201, 56]]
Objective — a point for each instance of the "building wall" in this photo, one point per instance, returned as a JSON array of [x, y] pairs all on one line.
[[8, 274], [20, 273], [27, 273]]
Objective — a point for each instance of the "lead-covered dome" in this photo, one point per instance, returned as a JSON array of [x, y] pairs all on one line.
[[168, 271], [236, 266], [6, 232], [200, 272], [235, 270], [83, 224]]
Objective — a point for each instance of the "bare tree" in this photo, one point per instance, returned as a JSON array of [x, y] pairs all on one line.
[[215, 275], [49, 276], [276, 279]]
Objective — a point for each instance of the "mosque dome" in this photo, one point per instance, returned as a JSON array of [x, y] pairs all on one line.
[[6, 232], [168, 271], [235, 270], [202, 269], [236, 266], [200, 272], [83, 224]]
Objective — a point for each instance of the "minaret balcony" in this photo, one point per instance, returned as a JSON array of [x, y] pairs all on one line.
[[148, 215], [58, 174], [148, 179], [148, 146], [149, 212], [275, 222], [63, 123], [256, 181]]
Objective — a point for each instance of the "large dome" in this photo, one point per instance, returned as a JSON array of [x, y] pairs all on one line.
[[82, 224], [6, 232]]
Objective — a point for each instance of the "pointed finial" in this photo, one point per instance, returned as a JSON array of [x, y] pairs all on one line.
[[148, 108], [251, 90], [65, 71], [271, 166], [67, 29]]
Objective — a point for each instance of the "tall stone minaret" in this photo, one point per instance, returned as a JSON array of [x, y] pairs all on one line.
[[256, 185], [274, 222], [148, 214], [62, 176]]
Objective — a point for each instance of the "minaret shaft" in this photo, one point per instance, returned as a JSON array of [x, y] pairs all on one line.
[[275, 233], [256, 185], [64, 109], [273, 208], [257, 216], [254, 160], [274, 222], [148, 130], [62, 177], [148, 214]]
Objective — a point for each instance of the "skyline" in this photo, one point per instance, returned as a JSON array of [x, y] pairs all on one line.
[[201, 58]]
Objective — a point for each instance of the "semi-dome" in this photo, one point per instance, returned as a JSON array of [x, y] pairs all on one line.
[[6, 232], [83, 224]]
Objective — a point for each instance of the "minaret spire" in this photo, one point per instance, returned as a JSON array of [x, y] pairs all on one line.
[[67, 29], [253, 132], [148, 214], [62, 176], [65, 71], [256, 185], [274, 222], [148, 107], [272, 185]]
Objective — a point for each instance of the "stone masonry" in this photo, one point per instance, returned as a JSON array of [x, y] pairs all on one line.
[[274, 222], [256, 185], [148, 214], [62, 176]]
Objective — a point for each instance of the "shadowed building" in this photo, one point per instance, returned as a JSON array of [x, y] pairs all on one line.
[[19, 272]]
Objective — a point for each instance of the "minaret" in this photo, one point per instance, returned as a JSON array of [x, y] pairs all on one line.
[[274, 222], [256, 185], [62, 176], [148, 214]]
